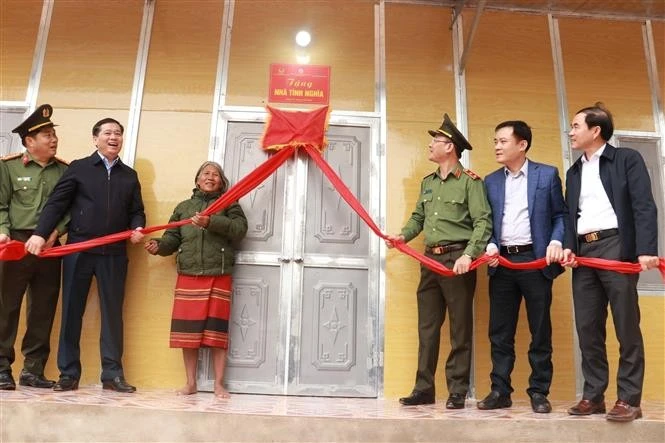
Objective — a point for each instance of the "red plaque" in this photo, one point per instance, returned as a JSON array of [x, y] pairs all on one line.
[[299, 84]]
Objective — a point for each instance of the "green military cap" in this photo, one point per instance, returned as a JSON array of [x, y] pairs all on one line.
[[39, 119], [449, 129]]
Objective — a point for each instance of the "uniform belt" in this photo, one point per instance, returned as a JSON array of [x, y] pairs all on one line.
[[516, 249], [597, 235], [443, 249]]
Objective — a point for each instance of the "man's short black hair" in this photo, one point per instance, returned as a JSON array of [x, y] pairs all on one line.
[[98, 125], [521, 130]]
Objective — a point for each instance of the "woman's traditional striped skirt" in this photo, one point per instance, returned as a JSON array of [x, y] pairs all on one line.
[[201, 311]]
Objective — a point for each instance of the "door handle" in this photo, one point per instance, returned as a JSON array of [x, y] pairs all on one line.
[[284, 260], [298, 260]]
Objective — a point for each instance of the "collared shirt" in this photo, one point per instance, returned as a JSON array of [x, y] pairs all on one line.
[[452, 209], [595, 210], [515, 227], [107, 163], [25, 185], [515, 224]]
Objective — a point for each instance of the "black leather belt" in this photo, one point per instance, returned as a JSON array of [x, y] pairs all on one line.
[[20, 234], [597, 235], [515, 249], [443, 249]]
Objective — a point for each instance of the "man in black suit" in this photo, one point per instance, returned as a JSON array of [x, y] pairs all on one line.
[[612, 216], [103, 196]]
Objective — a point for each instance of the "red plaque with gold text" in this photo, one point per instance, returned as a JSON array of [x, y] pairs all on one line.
[[299, 84]]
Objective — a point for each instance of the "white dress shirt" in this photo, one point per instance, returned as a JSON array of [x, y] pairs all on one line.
[[515, 226], [595, 210]]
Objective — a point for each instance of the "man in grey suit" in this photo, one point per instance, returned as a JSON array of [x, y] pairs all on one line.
[[612, 216], [528, 215]]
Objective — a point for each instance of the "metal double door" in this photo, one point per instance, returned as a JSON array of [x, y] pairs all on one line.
[[304, 317]]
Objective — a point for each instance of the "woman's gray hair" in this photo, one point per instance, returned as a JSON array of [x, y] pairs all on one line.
[[225, 181]]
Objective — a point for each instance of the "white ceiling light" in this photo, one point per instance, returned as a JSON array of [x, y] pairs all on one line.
[[303, 38]]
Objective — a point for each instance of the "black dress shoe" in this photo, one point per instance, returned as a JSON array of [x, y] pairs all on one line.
[[494, 400], [455, 401], [7, 382], [418, 398], [34, 381], [66, 383], [118, 384], [540, 404]]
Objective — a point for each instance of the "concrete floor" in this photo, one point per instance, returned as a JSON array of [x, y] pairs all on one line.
[[92, 414]]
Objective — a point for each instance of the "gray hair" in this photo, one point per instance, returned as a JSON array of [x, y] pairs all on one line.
[[225, 181]]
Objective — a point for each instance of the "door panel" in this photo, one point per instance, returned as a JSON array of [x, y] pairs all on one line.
[[334, 351], [333, 228], [264, 204], [252, 355], [302, 312]]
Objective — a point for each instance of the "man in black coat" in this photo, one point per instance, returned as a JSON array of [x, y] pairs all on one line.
[[103, 196], [612, 215]]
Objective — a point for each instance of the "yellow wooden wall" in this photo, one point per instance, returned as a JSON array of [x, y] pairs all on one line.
[[616, 74], [173, 142], [88, 74], [510, 76], [419, 89]]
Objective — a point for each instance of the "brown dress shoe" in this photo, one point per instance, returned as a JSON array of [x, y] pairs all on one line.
[[587, 407], [622, 411]]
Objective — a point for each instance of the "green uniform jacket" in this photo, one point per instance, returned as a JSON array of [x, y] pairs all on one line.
[[452, 209], [207, 251], [24, 188]]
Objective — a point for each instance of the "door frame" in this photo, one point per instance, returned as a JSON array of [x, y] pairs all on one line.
[[377, 250]]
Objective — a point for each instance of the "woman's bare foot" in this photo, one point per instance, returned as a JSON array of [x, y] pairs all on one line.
[[187, 390], [220, 392]]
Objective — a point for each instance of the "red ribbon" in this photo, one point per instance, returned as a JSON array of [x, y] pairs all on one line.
[[14, 250]]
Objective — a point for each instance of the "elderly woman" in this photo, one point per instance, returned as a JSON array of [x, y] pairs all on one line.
[[205, 256]]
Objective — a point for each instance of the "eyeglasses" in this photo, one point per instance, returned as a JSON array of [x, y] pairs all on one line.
[[438, 140]]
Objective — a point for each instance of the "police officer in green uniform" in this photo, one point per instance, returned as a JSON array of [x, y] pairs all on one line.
[[26, 181], [455, 216]]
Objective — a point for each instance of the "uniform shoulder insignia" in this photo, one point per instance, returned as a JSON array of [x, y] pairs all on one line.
[[472, 174], [11, 156], [64, 162]]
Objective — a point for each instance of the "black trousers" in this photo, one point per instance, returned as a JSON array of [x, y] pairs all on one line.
[[110, 272], [592, 291], [41, 278], [507, 288], [436, 295]]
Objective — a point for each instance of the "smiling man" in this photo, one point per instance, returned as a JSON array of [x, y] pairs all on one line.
[[453, 214], [103, 196], [612, 216], [26, 181], [528, 214]]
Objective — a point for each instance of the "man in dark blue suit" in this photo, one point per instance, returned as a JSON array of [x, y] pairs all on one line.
[[103, 196], [612, 216], [528, 215]]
